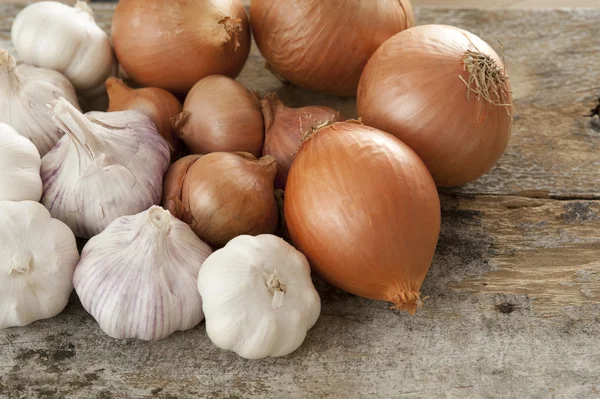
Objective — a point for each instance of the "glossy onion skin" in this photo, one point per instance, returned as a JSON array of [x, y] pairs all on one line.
[[363, 208], [172, 44], [411, 89], [323, 45], [219, 114]]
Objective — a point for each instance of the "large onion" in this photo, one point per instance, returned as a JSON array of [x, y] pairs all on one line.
[[363, 208], [324, 45], [172, 44], [444, 92]]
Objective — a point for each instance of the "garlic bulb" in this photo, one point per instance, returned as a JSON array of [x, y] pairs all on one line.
[[38, 255], [19, 167], [138, 277], [26, 90], [258, 297], [109, 164], [67, 39]]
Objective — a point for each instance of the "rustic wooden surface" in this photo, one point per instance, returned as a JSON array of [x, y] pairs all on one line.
[[514, 289]]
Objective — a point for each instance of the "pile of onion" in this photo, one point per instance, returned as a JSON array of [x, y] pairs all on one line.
[[285, 127], [219, 114], [362, 207], [445, 93], [324, 45], [158, 104], [172, 44]]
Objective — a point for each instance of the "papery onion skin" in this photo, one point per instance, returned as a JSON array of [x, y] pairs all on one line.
[[225, 195], [221, 115], [362, 207], [324, 45], [172, 44], [158, 104], [285, 127], [412, 89]]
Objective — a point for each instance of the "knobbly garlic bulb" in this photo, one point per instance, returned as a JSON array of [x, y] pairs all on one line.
[[19, 167], [67, 39], [108, 164], [25, 92], [38, 255], [258, 297], [138, 277]]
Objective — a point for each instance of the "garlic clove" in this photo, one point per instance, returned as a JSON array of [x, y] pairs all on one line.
[[108, 164], [38, 255], [138, 277]]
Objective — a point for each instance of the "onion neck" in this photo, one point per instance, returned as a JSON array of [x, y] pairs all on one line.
[[278, 289], [9, 80], [118, 92], [21, 263], [408, 301], [233, 28]]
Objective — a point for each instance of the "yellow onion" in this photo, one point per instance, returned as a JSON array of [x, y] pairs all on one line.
[[445, 93], [362, 207], [172, 44], [285, 127], [323, 45], [158, 104], [219, 114], [223, 195]]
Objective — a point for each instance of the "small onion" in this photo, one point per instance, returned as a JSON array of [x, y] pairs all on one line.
[[324, 45], [362, 207], [172, 44], [223, 195], [219, 114], [158, 104], [285, 127], [444, 92]]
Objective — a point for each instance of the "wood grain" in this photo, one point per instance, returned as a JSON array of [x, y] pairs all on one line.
[[514, 289]]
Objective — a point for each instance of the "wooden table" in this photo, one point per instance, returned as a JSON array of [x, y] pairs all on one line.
[[514, 290]]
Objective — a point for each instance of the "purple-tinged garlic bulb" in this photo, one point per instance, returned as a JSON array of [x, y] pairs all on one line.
[[138, 277], [107, 165]]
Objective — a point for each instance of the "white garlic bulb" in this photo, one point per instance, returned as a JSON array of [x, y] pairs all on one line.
[[67, 39], [258, 297], [19, 167], [25, 92], [108, 164], [38, 255], [138, 277]]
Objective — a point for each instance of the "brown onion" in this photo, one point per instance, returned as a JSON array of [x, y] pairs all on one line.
[[158, 104], [219, 114], [362, 207], [444, 92], [285, 127], [172, 44], [223, 195], [324, 45]]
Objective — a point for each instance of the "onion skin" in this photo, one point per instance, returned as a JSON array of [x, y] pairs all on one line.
[[158, 104], [223, 195], [324, 45], [172, 44], [411, 89], [285, 127], [362, 207], [221, 115]]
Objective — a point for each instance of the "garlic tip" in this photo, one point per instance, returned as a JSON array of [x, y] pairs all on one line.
[[158, 217]]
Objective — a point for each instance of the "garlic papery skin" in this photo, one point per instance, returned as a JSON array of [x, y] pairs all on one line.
[[108, 164], [258, 297], [25, 92], [138, 277], [67, 39], [38, 256], [19, 167]]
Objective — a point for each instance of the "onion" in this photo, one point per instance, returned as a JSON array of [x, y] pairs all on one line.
[[285, 127], [223, 195], [219, 114], [444, 92], [324, 45], [172, 44], [362, 207], [158, 104]]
